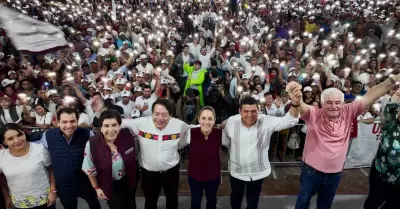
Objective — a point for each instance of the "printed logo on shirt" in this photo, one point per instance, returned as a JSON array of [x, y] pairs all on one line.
[[170, 137], [127, 152], [148, 135]]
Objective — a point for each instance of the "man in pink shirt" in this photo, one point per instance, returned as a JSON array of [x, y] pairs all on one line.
[[327, 140]]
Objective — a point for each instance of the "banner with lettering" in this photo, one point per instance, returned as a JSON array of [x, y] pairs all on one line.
[[30, 35], [364, 147]]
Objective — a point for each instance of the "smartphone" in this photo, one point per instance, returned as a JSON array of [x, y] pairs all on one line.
[[145, 104]]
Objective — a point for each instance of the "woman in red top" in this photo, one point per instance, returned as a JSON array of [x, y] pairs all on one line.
[[204, 161]]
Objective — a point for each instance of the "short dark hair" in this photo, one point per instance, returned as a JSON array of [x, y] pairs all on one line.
[[110, 114], [248, 101], [146, 87], [96, 93], [267, 94], [9, 126], [68, 111], [164, 102]]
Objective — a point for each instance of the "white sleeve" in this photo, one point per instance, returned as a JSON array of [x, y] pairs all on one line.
[[280, 123], [84, 118], [226, 141], [185, 140], [133, 124], [49, 117], [45, 156]]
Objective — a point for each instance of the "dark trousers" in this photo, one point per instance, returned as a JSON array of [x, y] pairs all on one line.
[[152, 182], [42, 207], [253, 190], [197, 188], [381, 194], [68, 196], [313, 181], [123, 195]]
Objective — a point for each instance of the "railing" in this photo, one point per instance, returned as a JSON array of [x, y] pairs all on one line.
[[279, 153]]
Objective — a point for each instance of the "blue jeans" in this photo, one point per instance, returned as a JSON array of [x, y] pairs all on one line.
[[313, 181], [196, 189], [253, 190]]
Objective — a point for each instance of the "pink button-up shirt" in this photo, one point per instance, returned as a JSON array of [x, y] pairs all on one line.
[[327, 140]]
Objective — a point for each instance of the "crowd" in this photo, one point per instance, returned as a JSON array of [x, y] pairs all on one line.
[[139, 80]]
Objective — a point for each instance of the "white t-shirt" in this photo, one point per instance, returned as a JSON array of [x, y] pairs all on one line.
[[43, 120], [142, 69], [84, 118], [127, 108], [140, 101], [27, 176]]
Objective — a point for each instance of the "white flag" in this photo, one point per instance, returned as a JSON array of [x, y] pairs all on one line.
[[30, 35]]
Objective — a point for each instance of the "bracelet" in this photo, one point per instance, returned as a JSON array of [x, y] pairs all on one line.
[[295, 106], [97, 187]]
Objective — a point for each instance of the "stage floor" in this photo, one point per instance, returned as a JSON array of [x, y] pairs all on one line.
[[270, 202]]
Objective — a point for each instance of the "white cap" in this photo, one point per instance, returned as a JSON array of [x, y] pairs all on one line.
[[51, 92], [121, 81], [119, 72], [307, 88], [87, 49], [292, 68], [125, 42], [107, 88], [110, 77], [164, 81], [143, 56], [84, 80], [246, 76], [125, 93], [291, 74], [138, 88], [92, 86], [135, 113], [164, 61], [276, 61], [314, 84], [7, 82], [108, 96], [240, 69], [139, 74], [11, 72]]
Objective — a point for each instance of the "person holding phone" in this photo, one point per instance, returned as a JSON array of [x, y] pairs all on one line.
[[147, 99]]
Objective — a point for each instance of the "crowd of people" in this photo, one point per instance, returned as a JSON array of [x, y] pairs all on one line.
[[140, 80]]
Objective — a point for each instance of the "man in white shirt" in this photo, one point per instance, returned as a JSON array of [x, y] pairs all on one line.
[[273, 109], [126, 103], [144, 65], [145, 102], [248, 137], [159, 136]]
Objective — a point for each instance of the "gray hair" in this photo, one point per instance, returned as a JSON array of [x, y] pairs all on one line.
[[327, 92]]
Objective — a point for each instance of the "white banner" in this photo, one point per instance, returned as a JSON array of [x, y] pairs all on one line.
[[30, 35], [363, 148]]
